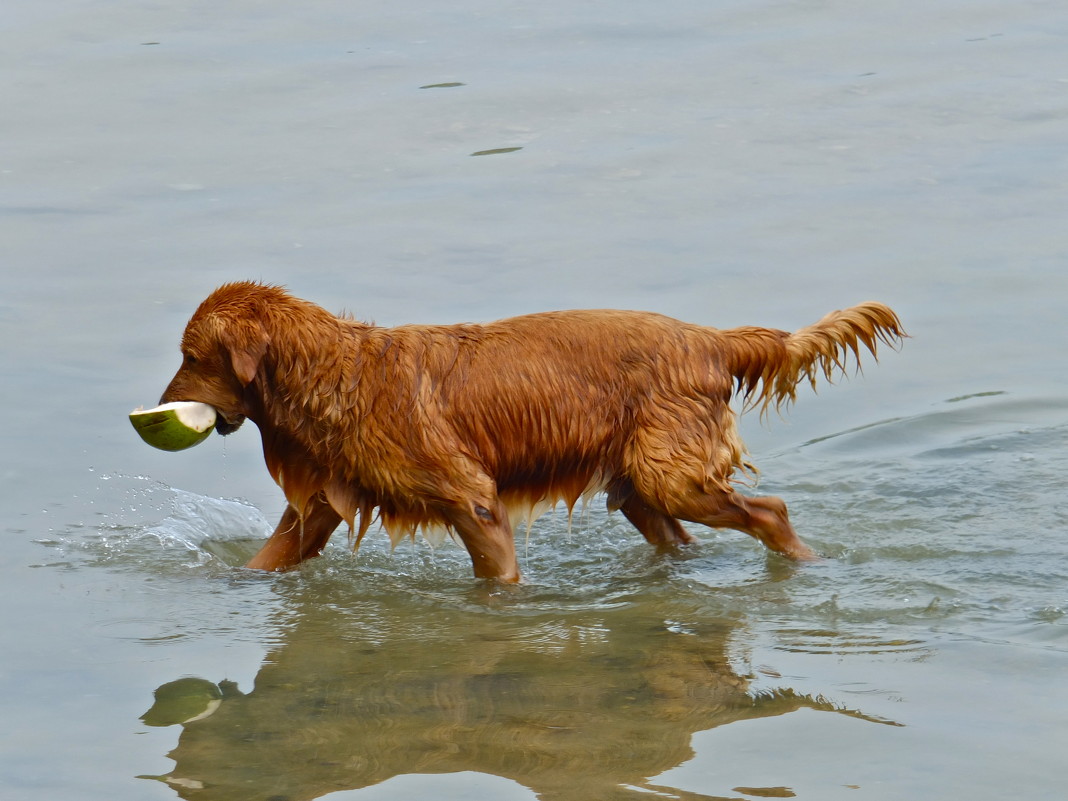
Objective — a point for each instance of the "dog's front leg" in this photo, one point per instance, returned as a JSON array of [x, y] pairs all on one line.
[[295, 540], [484, 528]]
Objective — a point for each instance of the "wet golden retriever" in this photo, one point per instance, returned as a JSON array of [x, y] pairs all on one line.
[[468, 429]]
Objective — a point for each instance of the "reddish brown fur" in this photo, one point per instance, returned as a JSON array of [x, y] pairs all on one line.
[[467, 428]]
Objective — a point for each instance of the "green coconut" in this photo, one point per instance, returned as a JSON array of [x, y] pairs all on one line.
[[174, 426], [183, 701]]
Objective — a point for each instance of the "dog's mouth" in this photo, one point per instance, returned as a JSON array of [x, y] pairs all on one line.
[[224, 426]]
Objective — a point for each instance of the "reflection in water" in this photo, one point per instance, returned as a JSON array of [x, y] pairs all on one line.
[[584, 704], [186, 700]]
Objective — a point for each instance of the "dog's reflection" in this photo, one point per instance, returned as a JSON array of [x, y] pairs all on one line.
[[573, 706]]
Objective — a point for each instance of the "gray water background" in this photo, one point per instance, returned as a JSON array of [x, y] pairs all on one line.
[[727, 163]]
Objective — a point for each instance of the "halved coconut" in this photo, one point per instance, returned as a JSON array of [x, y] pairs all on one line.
[[174, 426], [183, 701]]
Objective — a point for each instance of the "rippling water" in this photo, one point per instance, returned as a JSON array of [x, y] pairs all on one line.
[[728, 163], [593, 678]]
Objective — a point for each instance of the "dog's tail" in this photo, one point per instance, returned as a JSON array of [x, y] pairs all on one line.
[[768, 364]]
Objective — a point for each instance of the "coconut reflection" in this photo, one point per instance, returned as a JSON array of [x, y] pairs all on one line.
[[573, 705]]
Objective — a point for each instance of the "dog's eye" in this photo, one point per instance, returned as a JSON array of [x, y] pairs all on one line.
[[190, 358]]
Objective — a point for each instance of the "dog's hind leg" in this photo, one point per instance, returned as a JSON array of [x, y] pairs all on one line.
[[763, 518], [295, 540], [681, 466], [659, 529]]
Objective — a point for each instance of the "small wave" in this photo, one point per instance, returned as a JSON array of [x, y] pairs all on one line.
[[842, 642], [160, 523], [965, 422], [195, 520]]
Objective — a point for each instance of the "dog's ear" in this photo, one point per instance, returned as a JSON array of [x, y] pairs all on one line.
[[247, 348]]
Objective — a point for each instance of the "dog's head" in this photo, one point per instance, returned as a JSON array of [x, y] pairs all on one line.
[[222, 352]]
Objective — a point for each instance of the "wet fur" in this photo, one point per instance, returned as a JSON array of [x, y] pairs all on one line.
[[471, 428]]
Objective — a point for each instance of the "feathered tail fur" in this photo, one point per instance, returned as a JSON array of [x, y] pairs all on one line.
[[768, 364]]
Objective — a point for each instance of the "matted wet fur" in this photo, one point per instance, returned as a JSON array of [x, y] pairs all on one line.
[[471, 428]]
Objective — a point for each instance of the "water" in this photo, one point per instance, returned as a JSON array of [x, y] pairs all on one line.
[[728, 163]]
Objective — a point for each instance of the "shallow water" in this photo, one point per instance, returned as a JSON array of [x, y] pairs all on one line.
[[729, 163]]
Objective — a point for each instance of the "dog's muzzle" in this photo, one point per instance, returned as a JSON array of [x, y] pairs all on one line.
[[224, 426]]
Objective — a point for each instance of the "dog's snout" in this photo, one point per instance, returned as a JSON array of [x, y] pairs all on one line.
[[169, 395]]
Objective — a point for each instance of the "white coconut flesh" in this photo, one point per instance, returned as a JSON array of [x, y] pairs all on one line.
[[174, 426]]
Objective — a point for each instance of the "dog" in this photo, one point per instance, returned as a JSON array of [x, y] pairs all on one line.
[[469, 429]]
